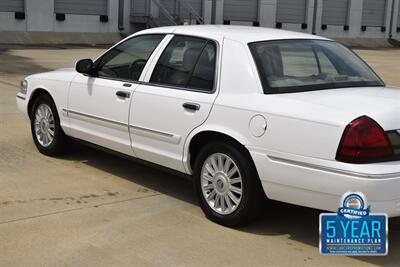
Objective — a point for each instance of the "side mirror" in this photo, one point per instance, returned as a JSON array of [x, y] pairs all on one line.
[[85, 66]]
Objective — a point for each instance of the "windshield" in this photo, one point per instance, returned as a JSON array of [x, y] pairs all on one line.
[[290, 66]]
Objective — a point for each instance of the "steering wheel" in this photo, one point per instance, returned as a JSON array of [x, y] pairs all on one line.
[[136, 68]]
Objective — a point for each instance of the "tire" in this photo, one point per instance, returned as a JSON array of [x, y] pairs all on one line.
[[59, 143], [252, 194]]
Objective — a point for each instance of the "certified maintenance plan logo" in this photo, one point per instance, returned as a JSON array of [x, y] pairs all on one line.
[[353, 230]]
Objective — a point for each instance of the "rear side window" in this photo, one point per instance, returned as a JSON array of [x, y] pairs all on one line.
[[187, 62], [204, 72]]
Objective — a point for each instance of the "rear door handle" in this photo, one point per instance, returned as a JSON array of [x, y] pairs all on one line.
[[191, 106], [123, 94]]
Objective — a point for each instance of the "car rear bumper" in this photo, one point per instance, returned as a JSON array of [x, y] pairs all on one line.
[[320, 186]]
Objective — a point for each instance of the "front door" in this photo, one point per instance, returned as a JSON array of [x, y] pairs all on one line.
[[98, 107], [174, 98]]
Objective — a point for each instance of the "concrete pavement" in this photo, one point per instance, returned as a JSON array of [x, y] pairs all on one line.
[[91, 208]]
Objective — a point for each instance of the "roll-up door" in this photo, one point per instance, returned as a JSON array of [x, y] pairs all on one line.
[[335, 12], [139, 7], [374, 13], [241, 10], [11, 5], [196, 5], [81, 7], [291, 11], [170, 6], [183, 8]]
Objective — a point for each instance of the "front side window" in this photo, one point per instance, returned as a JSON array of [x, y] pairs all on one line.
[[127, 60], [290, 66], [187, 62]]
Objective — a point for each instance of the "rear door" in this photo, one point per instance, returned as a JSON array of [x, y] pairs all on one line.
[[175, 97]]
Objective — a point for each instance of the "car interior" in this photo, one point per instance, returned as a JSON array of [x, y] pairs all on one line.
[[189, 64]]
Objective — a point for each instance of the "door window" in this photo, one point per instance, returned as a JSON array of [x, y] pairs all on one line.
[[187, 62], [127, 60]]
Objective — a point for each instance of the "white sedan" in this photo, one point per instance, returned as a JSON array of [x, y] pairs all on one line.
[[248, 112]]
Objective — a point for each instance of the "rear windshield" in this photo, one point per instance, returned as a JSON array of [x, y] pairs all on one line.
[[290, 66]]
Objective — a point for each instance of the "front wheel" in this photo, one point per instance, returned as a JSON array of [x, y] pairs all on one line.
[[47, 133], [227, 184]]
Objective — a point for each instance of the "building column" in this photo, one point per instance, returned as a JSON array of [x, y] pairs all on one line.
[[39, 15], [318, 16], [219, 12], [310, 15], [267, 13], [355, 17], [389, 5], [113, 10], [396, 22], [127, 14], [207, 11], [154, 10]]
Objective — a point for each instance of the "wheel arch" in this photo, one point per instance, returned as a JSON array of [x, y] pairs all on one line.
[[201, 137], [34, 95]]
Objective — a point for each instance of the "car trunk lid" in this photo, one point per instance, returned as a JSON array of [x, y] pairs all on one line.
[[380, 103]]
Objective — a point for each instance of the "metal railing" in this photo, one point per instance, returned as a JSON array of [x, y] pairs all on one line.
[[178, 12], [192, 12], [164, 15]]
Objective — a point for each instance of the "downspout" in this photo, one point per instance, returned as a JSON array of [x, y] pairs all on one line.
[[314, 25], [121, 15], [391, 20]]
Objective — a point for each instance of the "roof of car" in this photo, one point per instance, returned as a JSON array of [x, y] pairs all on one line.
[[243, 34]]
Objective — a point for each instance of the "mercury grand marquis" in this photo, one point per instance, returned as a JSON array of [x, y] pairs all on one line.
[[250, 113]]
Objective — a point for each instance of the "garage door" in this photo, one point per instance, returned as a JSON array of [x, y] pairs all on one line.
[[196, 5], [81, 7], [241, 10], [11, 5], [181, 7], [374, 13], [138, 7], [335, 12], [170, 5], [291, 11]]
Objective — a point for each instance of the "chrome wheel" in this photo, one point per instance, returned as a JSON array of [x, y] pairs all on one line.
[[44, 125], [221, 183]]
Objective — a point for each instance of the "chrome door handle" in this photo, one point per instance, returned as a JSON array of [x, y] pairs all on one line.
[[191, 106], [123, 94]]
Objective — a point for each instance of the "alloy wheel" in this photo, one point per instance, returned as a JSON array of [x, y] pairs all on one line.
[[221, 183], [44, 125]]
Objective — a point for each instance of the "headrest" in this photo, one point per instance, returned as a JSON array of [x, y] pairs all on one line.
[[272, 61], [189, 58]]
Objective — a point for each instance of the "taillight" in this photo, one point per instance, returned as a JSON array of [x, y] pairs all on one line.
[[364, 141]]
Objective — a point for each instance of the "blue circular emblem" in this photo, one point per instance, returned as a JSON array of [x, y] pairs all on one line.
[[354, 201], [354, 205]]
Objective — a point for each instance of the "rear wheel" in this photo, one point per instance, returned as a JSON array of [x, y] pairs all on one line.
[[47, 133], [227, 184]]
